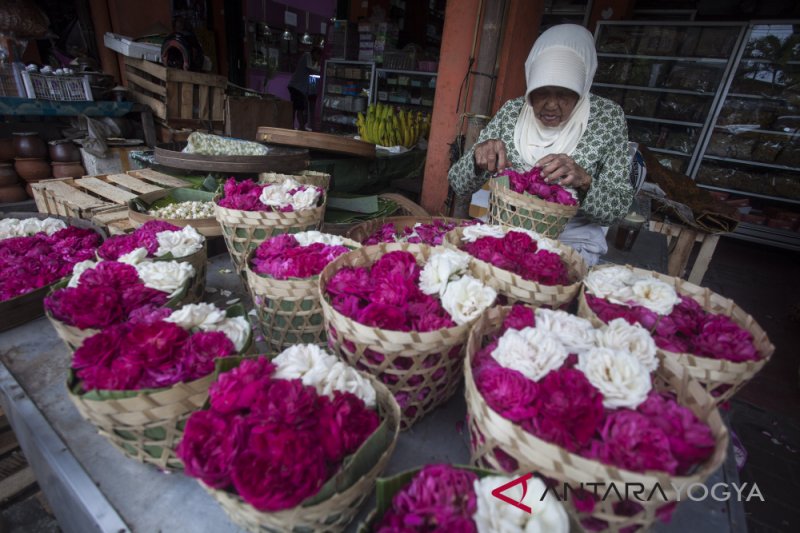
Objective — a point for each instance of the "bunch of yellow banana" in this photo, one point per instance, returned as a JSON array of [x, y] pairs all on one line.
[[384, 126]]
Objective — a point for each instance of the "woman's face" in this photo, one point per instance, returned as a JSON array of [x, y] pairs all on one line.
[[552, 105]]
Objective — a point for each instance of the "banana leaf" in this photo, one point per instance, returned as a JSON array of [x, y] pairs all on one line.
[[386, 208], [176, 196]]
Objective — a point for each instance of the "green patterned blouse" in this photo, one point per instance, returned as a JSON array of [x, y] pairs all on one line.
[[602, 151]]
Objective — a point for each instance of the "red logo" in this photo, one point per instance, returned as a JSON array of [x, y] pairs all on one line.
[[498, 492]]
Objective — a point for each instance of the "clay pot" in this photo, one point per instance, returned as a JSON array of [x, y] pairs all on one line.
[[68, 170], [12, 193], [28, 145], [64, 151], [32, 169], [7, 151], [8, 176]]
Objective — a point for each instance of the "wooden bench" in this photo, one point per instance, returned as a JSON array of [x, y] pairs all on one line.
[[681, 241]]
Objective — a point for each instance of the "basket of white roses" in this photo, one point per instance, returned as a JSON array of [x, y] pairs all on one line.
[[138, 381], [102, 294], [157, 240], [592, 410], [250, 213], [306, 177], [402, 313], [283, 280], [292, 444], [720, 344], [523, 266]]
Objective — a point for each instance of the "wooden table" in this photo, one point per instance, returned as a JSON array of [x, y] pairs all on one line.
[[681, 240]]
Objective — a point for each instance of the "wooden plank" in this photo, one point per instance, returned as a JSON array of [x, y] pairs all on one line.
[[676, 263], [106, 190], [67, 194], [187, 101], [16, 483], [154, 69], [132, 183], [196, 78], [8, 442], [158, 107], [218, 105], [107, 216], [318, 141], [703, 259], [159, 177], [146, 84], [202, 101], [173, 98]]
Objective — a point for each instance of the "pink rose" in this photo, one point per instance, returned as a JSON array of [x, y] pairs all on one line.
[[398, 263], [722, 338], [383, 316], [346, 424], [200, 351], [85, 308], [158, 348], [136, 296], [507, 392], [118, 245], [110, 274], [350, 281], [632, 441], [385, 233], [520, 317], [211, 441], [286, 402], [99, 349], [237, 389]]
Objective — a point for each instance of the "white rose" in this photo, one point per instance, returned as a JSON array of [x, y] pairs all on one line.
[[656, 295], [344, 378], [51, 225], [443, 265], [29, 226], [618, 375], [632, 338], [9, 227], [531, 351], [473, 233], [306, 238], [179, 243], [575, 333], [305, 199], [78, 270], [237, 329], [134, 257], [605, 282], [495, 516], [466, 298], [275, 195], [197, 316], [165, 276], [306, 362]]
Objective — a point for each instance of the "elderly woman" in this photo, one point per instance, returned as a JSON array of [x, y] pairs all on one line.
[[578, 139]]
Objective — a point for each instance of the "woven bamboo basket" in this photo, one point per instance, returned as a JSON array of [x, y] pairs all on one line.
[[423, 369], [305, 177], [517, 289], [145, 425], [363, 230], [245, 230], [29, 306], [205, 226], [510, 208], [722, 379], [288, 310], [73, 336], [490, 433], [334, 513]]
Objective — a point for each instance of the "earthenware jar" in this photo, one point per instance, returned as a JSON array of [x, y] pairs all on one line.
[[28, 145], [31, 169], [64, 151]]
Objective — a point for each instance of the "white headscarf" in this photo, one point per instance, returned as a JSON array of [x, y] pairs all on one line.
[[562, 56]]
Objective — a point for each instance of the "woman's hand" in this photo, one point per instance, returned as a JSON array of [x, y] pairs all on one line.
[[562, 169], [491, 155]]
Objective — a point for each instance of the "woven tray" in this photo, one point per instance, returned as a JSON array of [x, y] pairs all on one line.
[[245, 230], [416, 389], [722, 379], [306, 177], [288, 310], [510, 208], [490, 432], [331, 515], [517, 289], [29, 306], [205, 226], [363, 230]]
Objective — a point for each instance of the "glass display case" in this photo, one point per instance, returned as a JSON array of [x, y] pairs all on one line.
[[752, 155], [411, 89], [668, 78], [346, 90]]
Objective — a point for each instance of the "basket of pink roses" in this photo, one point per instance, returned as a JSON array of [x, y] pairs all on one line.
[[306, 177], [525, 200], [291, 444], [101, 295], [137, 382], [721, 345], [414, 229], [250, 213], [549, 393], [157, 240], [522, 265], [36, 251], [283, 280], [442, 497], [402, 313]]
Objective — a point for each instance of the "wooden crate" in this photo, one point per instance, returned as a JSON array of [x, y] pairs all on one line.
[[178, 98], [102, 199]]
